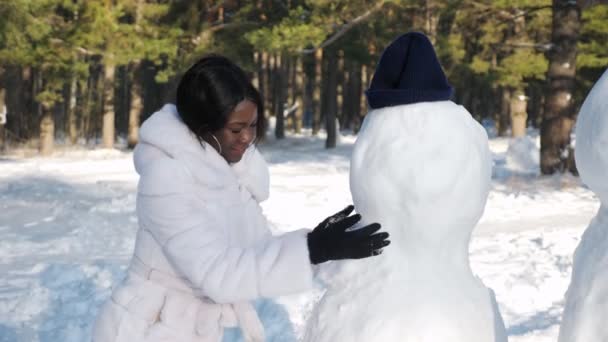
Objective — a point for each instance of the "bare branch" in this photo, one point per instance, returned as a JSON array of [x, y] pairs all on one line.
[[206, 34], [79, 49], [537, 46], [528, 10], [588, 3], [506, 15], [216, 6], [347, 27]]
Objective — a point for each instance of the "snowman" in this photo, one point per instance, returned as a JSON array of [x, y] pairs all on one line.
[[421, 166], [586, 309]]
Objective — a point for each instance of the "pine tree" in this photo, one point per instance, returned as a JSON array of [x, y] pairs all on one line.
[[559, 114]]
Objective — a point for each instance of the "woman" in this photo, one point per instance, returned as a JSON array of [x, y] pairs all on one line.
[[203, 250]]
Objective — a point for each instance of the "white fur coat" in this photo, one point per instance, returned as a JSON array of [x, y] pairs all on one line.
[[203, 249]]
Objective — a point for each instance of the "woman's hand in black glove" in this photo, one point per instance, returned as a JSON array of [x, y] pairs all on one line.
[[330, 240]]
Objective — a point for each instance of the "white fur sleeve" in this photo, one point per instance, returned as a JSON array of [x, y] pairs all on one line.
[[195, 242]]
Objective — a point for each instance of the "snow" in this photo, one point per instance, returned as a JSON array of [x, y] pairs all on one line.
[[523, 154], [422, 170], [587, 298], [67, 229]]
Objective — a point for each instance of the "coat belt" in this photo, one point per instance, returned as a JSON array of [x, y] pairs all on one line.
[[240, 314]]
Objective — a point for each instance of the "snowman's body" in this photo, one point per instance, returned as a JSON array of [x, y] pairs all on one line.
[[423, 171], [586, 310]]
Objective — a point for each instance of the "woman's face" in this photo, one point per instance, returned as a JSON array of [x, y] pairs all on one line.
[[239, 132]]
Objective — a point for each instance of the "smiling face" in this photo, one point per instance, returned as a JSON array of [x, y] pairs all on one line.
[[238, 133]]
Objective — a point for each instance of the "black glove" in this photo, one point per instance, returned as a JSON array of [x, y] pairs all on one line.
[[330, 240]]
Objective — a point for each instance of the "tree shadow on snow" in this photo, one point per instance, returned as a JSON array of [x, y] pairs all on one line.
[[12, 161], [41, 209], [75, 298], [305, 149], [539, 321], [274, 317], [81, 235], [7, 334]]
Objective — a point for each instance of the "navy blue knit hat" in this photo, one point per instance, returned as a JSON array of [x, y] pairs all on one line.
[[408, 72]]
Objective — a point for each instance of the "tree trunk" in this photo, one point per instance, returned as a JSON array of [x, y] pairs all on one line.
[[504, 116], [2, 114], [476, 101], [299, 93], [94, 108], [490, 101], [72, 120], [13, 83], [316, 116], [266, 61], [108, 130], [31, 109], [263, 79], [255, 77], [308, 63], [150, 90], [363, 106], [465, 95], [3, 145], [272, 79], [431, 20], [122, 100], [519, 115], [293, 91], [19, 102], [289, 67], [558, 114], [86, 109], [346, 101], [259, 83], [340, 85], [38, 110], [324, 87], [535, 104], [47, 130], [280, 92], [357, 98], [331, 98], [136, 106]]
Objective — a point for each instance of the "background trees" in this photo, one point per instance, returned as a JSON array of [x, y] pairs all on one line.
[[88, 72]]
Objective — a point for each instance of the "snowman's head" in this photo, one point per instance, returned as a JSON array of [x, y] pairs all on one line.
[[591, 151], [422, 165]]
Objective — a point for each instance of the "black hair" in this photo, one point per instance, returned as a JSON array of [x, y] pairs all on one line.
[[210, 90]]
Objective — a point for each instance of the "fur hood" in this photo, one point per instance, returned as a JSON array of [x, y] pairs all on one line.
[[166, 134]]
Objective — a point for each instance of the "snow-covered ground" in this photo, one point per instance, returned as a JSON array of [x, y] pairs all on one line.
[[67, 229]]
